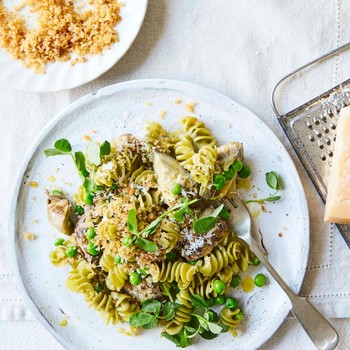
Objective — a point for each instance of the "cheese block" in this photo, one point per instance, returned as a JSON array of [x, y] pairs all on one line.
[[338, 197]]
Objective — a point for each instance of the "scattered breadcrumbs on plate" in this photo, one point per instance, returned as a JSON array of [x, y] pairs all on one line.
[[162, 114], [87, 138], [51, 178], [190, 107], [63, 32], [177, 101], [29, 236], [94, 131], [148, 104], [33, 184], [35, 221]]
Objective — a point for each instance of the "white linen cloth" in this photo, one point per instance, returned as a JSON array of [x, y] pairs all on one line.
[[240, 48]]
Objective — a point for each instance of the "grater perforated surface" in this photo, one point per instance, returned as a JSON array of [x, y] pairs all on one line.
[[312, 130]]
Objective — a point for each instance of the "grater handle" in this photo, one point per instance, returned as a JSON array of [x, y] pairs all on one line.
[[319, 59]]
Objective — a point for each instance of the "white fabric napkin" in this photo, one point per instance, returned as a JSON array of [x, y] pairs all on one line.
[[238, 48]]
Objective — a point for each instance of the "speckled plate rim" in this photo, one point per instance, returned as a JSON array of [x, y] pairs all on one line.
[[18, 77], [106, 91]]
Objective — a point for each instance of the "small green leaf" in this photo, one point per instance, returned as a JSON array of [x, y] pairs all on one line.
[[63, 145], [217, 211], [214, 327], [152, 227], [197, 301], [151, 324], [140, 318], [146, 245], [105, 149], [93, 153], [176, 339], [207, 334], [272, 198], [204, 225], [132, 221], [169, 310], [273, 180], [151, 306], [203, 323], [50, 152], [79, 160]]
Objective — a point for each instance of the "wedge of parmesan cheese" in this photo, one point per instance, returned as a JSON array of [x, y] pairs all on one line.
[[338, 197]]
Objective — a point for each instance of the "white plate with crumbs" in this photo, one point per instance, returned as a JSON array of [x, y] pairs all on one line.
[[81, 47], [125, 108]]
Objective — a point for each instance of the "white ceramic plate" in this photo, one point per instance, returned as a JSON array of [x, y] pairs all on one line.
[[61, 75], [124, 108]]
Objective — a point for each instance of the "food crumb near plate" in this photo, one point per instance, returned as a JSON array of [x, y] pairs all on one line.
[[244, 184], [64, 322], [177, 101], [33, 184], [51, 178], [256, 213], [29, 236], [87, 138], [148, 103], [190, 106], [280, 234], [162, 114], [33, 198], [247, 284], [35, 221], [94, 131], [263, 208]]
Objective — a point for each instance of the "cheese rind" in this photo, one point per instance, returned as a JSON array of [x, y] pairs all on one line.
[[338, 197]]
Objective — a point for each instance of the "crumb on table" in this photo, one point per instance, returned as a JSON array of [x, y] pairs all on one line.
[[177, 101], [33, 184], [29, 236], [87, 138], [162, 114], [190, 106]]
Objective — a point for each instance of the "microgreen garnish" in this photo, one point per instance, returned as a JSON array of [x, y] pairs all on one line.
[[105, 149], [206, 223], [179, 216], [273, 180], [93, 153]]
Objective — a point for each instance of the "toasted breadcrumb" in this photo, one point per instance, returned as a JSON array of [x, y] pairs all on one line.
[[177, 101], [162, 114], [29, 236], [87, 138], [190, 107], [61, 30], [33, 184]]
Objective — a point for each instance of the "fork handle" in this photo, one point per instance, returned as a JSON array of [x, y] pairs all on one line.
[[320, 331]]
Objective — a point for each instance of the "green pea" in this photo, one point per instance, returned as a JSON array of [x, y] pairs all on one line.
[[229, 174], [231, 303], [239, 316], [59, 241], [176, 189], [220, 300], [56, 193], [237, 165], [236, 281], [127, 241], [79, 210], [256, 262], [245, 172], [89, 198], [135, 278], [219, 181], [118, 259], [114, 187], [92, 249], [90, 233], [171, 256], [225, 213], [85, 173], [260, 280], [218, 286], [71, 251]]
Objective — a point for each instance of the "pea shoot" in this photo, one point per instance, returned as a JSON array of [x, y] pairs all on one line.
[[127, 241], [219, 181], [176, 189], [90, 233], [236, 281], [56, 193], [59, 241], [231, 303], [92, 249], [218, 286], [260, 280], [135, 278], [71, 251]]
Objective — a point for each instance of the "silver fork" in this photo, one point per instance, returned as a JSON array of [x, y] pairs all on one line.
[[320, 331]]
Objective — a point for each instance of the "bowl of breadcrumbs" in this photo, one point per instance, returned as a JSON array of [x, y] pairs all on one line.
[[63, 31]]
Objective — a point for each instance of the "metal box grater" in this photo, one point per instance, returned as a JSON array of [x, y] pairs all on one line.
[[312, 128]]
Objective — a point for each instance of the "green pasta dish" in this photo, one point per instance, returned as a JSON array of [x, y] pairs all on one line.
[[148, 242]]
